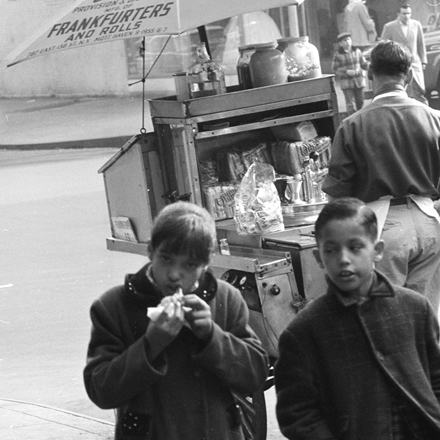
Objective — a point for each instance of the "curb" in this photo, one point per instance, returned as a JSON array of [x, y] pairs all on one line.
[[114, 142]]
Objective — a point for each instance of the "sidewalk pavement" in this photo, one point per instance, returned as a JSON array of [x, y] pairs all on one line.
[[28, 421], [91, 122], [47, 123]]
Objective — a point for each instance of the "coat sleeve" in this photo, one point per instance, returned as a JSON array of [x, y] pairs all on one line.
[[421, 48], [298, 398], [386, 32], [339, 181], [338, 68], [433, 350], [366, 20], [234, 354], [116, 371]]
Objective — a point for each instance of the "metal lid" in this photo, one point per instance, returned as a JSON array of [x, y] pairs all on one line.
[[265, 45], [247, 47], [293, 39]]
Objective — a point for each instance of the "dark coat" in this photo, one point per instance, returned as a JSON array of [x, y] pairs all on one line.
[[186, 392], [341, 361]]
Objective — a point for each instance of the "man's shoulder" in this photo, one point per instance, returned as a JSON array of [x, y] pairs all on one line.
[[391, 23], [409, 296], [415, 22]]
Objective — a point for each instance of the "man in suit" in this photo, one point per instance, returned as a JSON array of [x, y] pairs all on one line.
[[409, 32]]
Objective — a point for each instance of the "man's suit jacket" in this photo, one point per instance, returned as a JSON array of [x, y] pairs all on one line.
[[415, 42]]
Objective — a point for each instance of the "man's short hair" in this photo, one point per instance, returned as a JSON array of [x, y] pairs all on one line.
[[405, 6], [389, 58]]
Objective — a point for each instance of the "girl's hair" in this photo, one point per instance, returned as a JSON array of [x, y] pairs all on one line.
[[184, 228], [346, 208]]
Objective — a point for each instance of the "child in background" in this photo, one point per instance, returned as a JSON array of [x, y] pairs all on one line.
[[171, 375], [348, 65], [361, 362]]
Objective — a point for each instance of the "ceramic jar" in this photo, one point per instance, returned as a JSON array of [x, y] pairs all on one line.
[[302, 59], [243, 69], [267, 66]]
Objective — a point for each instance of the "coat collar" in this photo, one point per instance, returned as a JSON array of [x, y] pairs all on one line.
[[141, 287], [380, 288]]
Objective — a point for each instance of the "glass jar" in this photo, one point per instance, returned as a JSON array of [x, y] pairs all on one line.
[[243, 69], [267, 66], [302, 59], [205, 77]]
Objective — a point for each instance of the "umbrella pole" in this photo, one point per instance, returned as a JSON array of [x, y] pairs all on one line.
[[143, 130], [145, 75]]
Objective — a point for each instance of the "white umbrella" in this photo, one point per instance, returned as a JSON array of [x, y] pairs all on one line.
[[87, 22]]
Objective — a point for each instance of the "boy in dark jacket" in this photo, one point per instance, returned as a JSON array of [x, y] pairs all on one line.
[[361, 362], [170, 346]]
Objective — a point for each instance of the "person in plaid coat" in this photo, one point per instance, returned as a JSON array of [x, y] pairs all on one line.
[[349, 65], [361, 362]]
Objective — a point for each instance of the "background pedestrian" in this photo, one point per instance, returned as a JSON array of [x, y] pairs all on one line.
[[349, 66], [359, 24], [409, 32]]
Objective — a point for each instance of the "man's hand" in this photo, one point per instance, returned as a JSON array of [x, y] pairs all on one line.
[[199, 317]]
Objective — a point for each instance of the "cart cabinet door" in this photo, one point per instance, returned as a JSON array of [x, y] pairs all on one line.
[[134, 185]]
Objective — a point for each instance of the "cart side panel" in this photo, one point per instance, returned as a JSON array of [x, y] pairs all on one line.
[[134, 185], [179, 160]]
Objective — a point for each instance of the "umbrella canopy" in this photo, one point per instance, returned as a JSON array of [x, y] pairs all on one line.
[[87, 22]]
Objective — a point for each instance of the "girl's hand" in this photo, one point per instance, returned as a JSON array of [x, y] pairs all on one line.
[[199, 317], [165, 328]]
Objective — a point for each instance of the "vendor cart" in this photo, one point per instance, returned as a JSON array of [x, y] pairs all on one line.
[[275, 272]]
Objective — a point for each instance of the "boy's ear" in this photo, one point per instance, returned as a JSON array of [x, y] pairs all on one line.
[[317, 256], [149, 249], [379, 247]]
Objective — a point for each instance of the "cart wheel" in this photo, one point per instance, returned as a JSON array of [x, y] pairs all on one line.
[[254, 415]]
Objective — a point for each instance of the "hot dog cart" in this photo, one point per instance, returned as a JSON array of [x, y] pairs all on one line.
[[275, 272]]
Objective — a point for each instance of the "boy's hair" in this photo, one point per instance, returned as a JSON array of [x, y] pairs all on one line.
[[347, 208], [184, 228], [389, 58]]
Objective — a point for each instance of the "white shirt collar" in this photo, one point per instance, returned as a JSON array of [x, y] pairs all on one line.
[[389, 94]]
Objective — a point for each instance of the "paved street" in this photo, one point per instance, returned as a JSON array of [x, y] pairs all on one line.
[[54, 262]]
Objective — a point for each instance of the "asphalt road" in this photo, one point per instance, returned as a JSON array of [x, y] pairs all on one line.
[[54, 262]]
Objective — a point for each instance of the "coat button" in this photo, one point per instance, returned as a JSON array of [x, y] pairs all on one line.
[[380, 356], [197, 374]]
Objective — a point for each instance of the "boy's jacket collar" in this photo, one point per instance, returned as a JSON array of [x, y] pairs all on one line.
[[381, 287]]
